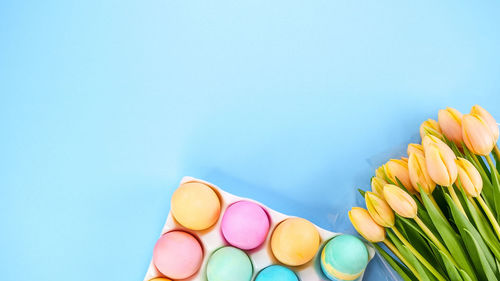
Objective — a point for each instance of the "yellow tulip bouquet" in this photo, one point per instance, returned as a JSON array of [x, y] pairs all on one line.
[[438, 210]]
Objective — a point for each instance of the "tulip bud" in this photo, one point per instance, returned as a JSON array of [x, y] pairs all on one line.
[[440, 161], [477, 134], [400, 201], [415, 148], [379, 173], [450, 122], [378, 186], [366, 226], [492, 124], [469, 176], [419, 174], [379, 210], [431, 127], [397, 168]]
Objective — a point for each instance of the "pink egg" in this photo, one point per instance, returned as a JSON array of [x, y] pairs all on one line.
[[177, 255], [245, 225]]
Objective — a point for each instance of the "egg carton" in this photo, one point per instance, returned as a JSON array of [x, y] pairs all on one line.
[[262, 257]]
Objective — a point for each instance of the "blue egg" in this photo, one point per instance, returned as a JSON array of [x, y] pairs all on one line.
[[276, 273], [344, 257]]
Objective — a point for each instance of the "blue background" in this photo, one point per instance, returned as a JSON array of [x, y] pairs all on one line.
[[105, 105]]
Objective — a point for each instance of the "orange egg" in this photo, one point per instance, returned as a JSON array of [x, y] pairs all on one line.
[[195, 206], [295, 241]]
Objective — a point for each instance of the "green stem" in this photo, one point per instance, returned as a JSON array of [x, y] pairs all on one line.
[[476, 160], [456, 200], [489, 214], [497, 151], [400, 257], [493, 169], [418, 255], [490, 161], [435, 240]]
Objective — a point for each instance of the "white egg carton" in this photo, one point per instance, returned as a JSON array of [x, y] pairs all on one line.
[[261, 257]]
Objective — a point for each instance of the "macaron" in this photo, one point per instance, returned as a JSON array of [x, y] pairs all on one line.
[[229, 264], [344, 257], [295, 241], [160, 279], [245, 225], [276, 273], [177, 255], [195, 206]]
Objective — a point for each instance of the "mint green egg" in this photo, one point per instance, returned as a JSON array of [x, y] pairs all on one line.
[[229, 264], [344, 257]]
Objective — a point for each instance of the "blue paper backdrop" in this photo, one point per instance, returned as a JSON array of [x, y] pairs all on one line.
[[105, 105]]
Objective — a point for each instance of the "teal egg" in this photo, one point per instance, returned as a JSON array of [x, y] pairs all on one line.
[[276, 273], [344, 257], [229, 264]]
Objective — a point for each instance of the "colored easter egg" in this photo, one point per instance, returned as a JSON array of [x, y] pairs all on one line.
[[295, 241], [276, 273], [344, 257], [195, 206], [160, 279], [245, 225], [177, 255], [229, 264]]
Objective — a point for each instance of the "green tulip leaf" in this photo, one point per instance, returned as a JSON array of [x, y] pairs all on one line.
[[362, 192], [450, 237], [416, 236], [407, 223], [453, 273], [408, 255], [462, 197], [422, 271], [464, 275], [453, 147], [479, 258], [426, 218], [483, 226], [402, 270], [439, 260], [423, 215], [438, 194], [496, 189], [477, 248]]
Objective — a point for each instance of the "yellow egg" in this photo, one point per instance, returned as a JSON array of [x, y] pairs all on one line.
[[160, 279], [195, 206], [295, 241]]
